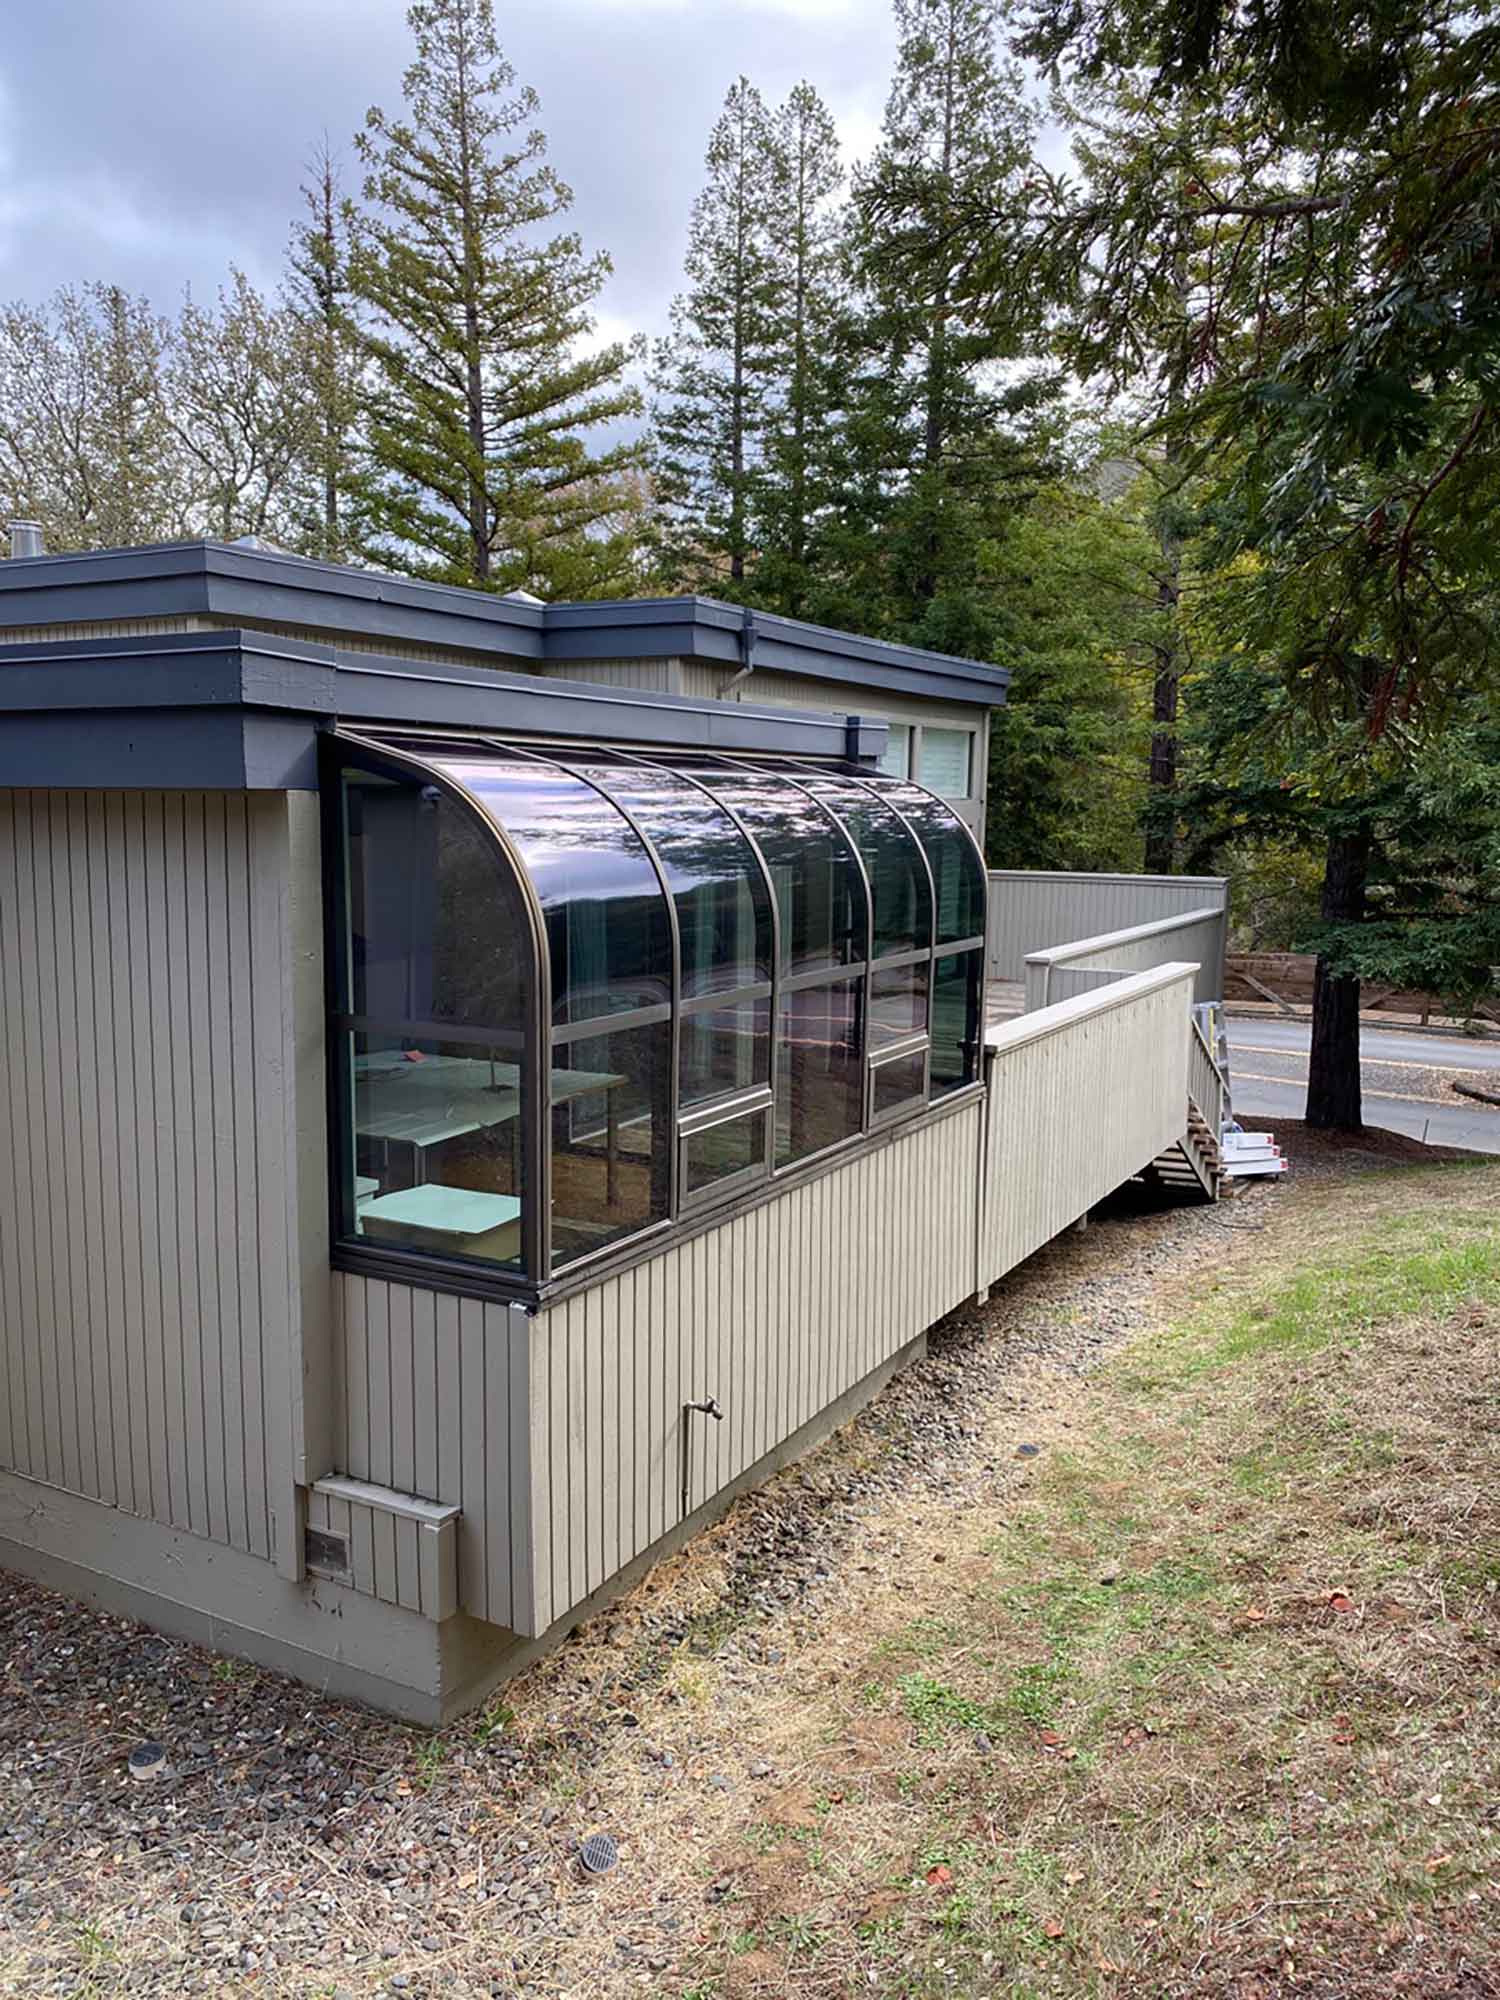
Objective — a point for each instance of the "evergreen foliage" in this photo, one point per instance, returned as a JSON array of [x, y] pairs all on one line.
[[484, 388]]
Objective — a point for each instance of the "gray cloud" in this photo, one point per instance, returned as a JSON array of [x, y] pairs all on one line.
[[155, 142]]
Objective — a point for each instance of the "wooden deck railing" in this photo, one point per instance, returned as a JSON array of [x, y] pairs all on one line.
[[1081, 1096], [1063, 971]]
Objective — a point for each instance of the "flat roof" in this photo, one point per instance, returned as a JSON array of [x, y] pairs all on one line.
[[260, 586], [243, 709]]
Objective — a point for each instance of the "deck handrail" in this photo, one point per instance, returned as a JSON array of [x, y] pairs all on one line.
[[1084, 964], [1208, 1088]]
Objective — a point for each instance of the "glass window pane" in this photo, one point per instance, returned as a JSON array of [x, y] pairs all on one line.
[[438, 930], [724, 1049], [736, 1147], [812, 865], [899, 888], [610, 1124], [895, 760], [898, 1082], [957, 873], [820, 1074], [437, 1147], [957, 1021], [723, 911], [946, 760], [898, 1005], [607, 932]]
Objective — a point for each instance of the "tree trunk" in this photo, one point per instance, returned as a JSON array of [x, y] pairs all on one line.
[[1161, 838], [1333, 1081]]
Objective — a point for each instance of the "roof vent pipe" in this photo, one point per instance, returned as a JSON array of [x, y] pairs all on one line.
[[26, 540]]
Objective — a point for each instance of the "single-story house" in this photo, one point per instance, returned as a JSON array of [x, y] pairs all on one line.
[[486, 1081]]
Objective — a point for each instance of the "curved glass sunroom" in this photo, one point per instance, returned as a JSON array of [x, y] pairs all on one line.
[[582, 994]]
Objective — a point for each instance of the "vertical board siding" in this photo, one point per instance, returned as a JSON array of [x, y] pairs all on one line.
[[435, 1408], [776, 1313], [1081, 1096], [1031, 911], [1199, 936], [141, 1229]]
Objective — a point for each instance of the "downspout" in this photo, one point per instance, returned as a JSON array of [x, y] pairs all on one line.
[[747, 655]]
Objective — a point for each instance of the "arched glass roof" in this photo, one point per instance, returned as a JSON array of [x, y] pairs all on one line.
[[582, 993]]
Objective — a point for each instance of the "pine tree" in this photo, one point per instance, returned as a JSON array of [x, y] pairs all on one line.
[[950, 449], [808, 298], [710, 377], [482, 390], [319, 296]]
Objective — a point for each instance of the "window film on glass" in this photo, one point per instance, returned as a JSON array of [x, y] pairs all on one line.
[[438, 1147], [895, 759], [724, 1049], [898, 1004], [820, 1069], [896, 1084], [425, 888], [900, 893], [944, 760], [957, 1021], [820, 894], [734, 1149], [723, 912], [610, 1136], [608, 938], [957, 872]]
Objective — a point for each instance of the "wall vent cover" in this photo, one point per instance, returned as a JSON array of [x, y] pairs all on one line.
[[327, 1552]]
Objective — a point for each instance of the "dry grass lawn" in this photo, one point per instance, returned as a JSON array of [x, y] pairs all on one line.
[[1198, 1693]]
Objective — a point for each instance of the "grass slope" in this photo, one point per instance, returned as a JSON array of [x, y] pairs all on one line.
[[1215, 1709]]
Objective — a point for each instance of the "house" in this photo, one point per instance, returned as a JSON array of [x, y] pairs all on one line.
[[484, 1082]]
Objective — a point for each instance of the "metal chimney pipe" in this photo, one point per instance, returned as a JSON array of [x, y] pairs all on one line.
[[26, 540]]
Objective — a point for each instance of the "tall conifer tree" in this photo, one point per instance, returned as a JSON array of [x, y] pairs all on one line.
[[953, 450], [319, 295], [711, 375], [809, 293], [483, 390]]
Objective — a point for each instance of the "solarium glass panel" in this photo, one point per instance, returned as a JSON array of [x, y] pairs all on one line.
[[899, 888], [820, 1073], [957, 873], [609, 941], [723, 911], [957, 1021], [724, 1049], [437, 927], [812, 864], [610, 1136]]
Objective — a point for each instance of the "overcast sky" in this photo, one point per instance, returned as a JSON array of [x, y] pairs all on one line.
[[152, 143]]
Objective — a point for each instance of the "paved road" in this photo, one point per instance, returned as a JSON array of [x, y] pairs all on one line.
[[1406, 1080]]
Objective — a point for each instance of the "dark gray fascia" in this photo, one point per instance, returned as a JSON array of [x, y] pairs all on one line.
[[259, 586], [702, 628], [243, 709]]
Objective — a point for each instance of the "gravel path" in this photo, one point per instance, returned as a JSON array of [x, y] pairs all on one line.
[[298, 1846]]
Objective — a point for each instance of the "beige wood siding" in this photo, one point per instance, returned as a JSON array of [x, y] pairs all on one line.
[[1081, 1096], [150, 1263], [560, 1436], [1198, 935], [648, 676], [776, 1314], [1031, 911], [435, 1393]]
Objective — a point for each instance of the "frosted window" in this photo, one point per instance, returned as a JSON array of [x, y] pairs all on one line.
[[946, 758]]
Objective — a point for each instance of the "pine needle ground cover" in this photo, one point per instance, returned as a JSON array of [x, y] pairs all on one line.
[[1213, 1707]]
